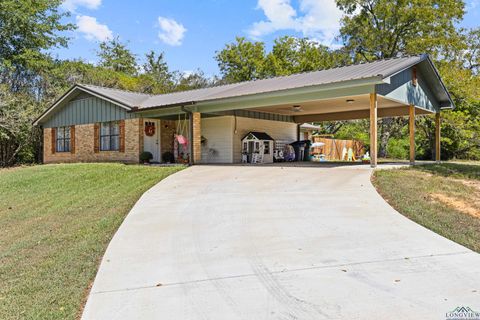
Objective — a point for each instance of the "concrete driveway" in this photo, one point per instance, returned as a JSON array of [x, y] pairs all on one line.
[[242, 242]]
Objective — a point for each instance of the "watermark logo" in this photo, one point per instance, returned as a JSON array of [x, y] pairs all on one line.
[[462, 313]]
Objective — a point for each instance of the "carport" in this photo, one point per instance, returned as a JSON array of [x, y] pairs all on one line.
[[406, 86]]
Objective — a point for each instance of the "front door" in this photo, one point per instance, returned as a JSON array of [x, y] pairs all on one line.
[[151, 138]]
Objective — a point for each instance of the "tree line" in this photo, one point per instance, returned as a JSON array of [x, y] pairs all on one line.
[[31, 78]]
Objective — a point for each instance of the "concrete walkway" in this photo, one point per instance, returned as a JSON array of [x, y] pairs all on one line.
[[242, 242]]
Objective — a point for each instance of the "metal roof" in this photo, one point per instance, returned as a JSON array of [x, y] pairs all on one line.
[[127, 98], [381, 69]]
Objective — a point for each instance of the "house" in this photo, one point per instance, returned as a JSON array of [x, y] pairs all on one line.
[[90, 123], [307, 130]]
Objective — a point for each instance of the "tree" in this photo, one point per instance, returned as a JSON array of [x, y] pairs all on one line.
[[472, 54], [379, 29], [242, 60], [116, 56], [291, 55], [28, 28], [246, 60], [192, 80], [156, 67], [19, 141]]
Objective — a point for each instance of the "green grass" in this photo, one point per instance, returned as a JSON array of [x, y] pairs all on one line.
[[411, 191], [453, 170], [56, 222]]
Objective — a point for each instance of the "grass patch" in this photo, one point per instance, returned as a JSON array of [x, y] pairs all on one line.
[[56, 222], [445, 198]]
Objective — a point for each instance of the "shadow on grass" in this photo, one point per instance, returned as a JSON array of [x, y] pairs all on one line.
[[453, 170]]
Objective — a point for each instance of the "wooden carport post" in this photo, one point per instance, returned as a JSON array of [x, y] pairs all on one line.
[[437, 137], [411, 130], [373, 129]]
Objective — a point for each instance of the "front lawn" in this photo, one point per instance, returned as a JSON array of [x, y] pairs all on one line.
[[444, 198], [55, 224]]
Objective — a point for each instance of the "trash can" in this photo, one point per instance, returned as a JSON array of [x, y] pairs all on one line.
[[299, 147], [306, 155]]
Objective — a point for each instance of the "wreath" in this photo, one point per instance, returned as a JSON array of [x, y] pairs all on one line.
[[149, 128]]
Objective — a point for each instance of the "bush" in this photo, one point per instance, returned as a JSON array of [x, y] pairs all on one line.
[[398, 148], [168, 157], [146, 156]]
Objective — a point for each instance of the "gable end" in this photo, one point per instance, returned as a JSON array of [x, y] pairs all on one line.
[[85, 108]]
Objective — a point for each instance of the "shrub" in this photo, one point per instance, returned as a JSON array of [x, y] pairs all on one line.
[[168, 157], [146, 156], [398, 148]]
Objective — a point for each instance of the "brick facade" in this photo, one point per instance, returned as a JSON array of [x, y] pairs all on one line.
[[197, 137], [84, 145], [168, 128]]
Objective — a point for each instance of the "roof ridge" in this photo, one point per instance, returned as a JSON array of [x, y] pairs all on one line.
[[115, 89]]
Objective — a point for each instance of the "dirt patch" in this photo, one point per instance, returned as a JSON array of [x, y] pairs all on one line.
[[457, 204], [470, 183]]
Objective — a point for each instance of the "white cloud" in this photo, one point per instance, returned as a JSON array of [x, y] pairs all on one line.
[[72, 5], [92, 30], [172, 32], [316, 19]]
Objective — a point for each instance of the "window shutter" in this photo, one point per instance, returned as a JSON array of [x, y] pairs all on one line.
[[122, 136], [54, 140], [72, 139], [96, 137]]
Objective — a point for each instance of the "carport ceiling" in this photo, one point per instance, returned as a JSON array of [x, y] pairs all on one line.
[[344, 104]]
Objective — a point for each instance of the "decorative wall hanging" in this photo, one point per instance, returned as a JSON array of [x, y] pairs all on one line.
[[149, 129]]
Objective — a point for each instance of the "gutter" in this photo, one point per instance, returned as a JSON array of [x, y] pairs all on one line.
[[180, 104]]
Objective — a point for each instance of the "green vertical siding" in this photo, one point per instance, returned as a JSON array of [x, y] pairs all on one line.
[[87, 110], [258, 115], [402, 89]]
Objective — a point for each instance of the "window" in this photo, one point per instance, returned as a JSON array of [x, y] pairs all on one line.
[[267, 147], [63, 139], [110, 136]]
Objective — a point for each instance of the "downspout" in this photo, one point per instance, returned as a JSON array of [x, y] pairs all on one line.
[[190, 130]]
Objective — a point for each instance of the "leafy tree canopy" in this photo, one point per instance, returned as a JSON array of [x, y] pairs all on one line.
[[294, 55], [242, 60], [245, 60], [116, 56], [27, 29], [378, 29]]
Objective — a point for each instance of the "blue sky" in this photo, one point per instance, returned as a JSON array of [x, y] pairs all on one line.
[[190, 32]]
